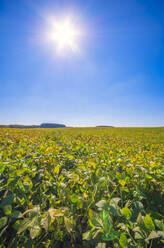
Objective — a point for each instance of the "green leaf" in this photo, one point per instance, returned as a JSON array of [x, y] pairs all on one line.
[[7, 209], [138, 208], [123, 241], [25, 224], [16, 214], [126, 212], [12, 181], [28, 244], [125, 189], [79, 203], [3, 221], [102, 180], [111, 235], [148, 222], [96, 221], [74, 198], [2, 232], [113, 210], [8, 200]]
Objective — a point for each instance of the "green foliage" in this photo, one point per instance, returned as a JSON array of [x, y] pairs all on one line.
[[88, 187], [3, 221], [127, 213], [148, 222], [123, 240]]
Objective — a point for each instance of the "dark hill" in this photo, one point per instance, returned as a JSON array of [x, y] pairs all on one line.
[[51, 125]]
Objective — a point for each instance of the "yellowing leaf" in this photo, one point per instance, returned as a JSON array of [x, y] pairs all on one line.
[[122, 182], [68, 224], [34, 231], [55, 213], [57, 169]]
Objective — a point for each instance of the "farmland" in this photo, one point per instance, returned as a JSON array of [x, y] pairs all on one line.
[[82, 187]]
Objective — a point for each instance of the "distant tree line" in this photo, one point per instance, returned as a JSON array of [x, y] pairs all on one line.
[[43, 125]]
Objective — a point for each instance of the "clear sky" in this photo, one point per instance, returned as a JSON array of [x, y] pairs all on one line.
[[116, 77]]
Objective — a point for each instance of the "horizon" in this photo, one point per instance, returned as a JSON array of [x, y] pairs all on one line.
[[82, 64], [80, 126]]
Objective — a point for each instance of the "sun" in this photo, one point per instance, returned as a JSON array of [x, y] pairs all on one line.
[[64, 34]]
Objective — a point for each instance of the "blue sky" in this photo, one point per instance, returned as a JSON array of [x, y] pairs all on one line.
[[116, 79]]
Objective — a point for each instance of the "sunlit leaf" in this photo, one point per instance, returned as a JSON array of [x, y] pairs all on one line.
[[126, 212], [7, 209], [34, 231], [148, 222], [123, 240]]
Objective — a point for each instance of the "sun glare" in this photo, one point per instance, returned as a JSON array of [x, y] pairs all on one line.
[[64, 34]]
